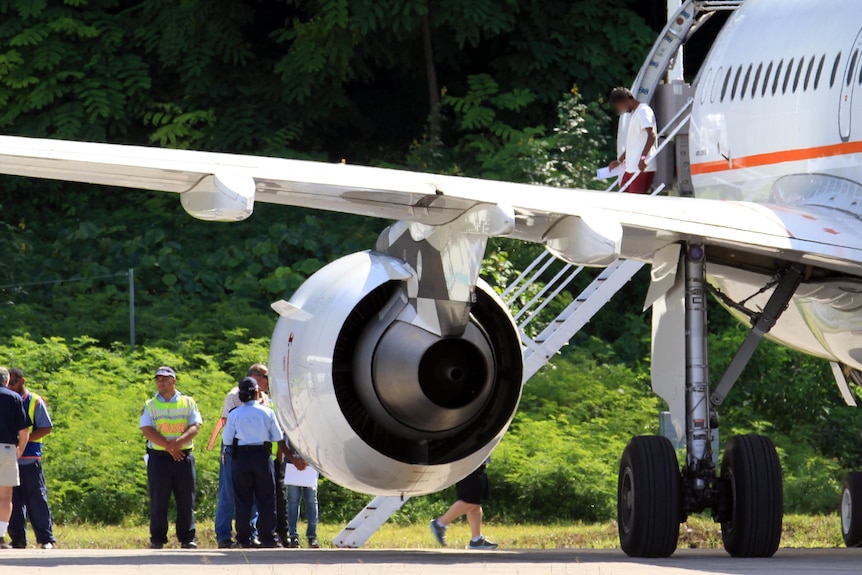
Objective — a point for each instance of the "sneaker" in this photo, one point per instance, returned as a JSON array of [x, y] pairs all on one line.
[[225, 544], [439, 532], [18, 544], [189, 545], [293, 543], [482, 544], [47, 545], [313, 543], [3, 544], [157, 545], [270, 545]]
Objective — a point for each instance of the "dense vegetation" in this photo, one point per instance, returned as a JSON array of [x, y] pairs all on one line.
[[497, 89]]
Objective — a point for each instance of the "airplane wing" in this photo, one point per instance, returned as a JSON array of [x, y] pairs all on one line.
[[818, 236]]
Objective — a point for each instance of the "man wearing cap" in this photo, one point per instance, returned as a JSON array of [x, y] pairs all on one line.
[[30, 499], [251, 430], [170, 421], [225, 508], [14, 434]]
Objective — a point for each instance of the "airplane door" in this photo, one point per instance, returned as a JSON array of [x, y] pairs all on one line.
[[848, 84]]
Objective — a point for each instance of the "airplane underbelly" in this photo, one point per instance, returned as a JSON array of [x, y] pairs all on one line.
[[824, 319]]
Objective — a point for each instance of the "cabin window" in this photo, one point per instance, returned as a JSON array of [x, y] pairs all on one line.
[[735, 83], [777, 77], [808, 72], [706, 86], [787, 74], [819, 71], [766, 80], [756, 80], [835, 70], [726, 82], [745, 82], [860, 71], [852, 66], [716, 85], [798, 73]]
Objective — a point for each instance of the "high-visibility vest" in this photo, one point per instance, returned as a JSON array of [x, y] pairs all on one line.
[[34, 448], [274, 443], [170, 418]]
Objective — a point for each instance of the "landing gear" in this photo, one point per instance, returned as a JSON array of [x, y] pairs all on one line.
[[648, 498], [752, 473], [851, 509], [746, 494]]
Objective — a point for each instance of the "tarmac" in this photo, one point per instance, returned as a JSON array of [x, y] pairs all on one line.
[[436, 562]]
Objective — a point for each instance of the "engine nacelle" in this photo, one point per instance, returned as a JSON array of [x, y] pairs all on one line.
[[382, 406]]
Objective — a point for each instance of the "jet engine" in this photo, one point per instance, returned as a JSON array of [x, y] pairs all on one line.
[[381, 405]]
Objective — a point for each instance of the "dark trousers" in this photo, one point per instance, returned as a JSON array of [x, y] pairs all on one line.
[[280, 502], [30, 501], [167, 477], [254, 483]]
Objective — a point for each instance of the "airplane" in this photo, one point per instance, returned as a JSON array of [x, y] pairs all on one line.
[[396, 371]]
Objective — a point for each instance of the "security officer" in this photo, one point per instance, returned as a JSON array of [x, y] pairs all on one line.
[[30, 499], [252, 429], [170, 421]]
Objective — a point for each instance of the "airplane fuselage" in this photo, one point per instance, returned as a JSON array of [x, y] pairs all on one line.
[[777, 119]]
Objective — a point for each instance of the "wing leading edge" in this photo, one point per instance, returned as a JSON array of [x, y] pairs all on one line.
[[820, 237]]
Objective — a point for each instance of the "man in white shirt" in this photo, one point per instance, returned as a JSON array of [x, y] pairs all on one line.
[[640, 145]]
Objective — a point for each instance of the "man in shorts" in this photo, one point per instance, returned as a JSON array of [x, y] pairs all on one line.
[[14, 435], [470, 492]]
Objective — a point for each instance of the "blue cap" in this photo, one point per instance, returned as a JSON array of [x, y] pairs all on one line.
[[248, 385]]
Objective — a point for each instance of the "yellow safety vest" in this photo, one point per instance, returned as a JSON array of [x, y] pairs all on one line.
[[34, 448], [274, 443], [31, 409], [170, 418]]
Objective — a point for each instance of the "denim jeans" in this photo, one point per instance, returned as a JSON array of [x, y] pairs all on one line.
[[226, 508], [294, 494]]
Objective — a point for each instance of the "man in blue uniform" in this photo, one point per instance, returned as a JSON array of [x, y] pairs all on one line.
[[30, 499], [225, 508], [252, 429], [170, 421], [14, 434]]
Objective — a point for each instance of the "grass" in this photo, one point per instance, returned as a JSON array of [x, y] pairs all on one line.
[[698, 532]]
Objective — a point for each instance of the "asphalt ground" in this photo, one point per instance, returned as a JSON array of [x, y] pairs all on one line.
[[436, 562]]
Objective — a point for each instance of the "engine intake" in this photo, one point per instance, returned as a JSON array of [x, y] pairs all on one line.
[[380, 405]]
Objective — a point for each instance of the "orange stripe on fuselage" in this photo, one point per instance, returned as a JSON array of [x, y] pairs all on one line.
[[778, 158]]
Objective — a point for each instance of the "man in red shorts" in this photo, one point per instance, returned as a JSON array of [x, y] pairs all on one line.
[[640, 144]]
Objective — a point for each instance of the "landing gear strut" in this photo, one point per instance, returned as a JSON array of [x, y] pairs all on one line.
[[745, 495]]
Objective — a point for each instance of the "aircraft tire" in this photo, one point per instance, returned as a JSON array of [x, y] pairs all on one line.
[[648, 498], [753, 471], [851, 509]]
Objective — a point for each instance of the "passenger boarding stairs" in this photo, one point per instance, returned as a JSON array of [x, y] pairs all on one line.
[[547, 279]]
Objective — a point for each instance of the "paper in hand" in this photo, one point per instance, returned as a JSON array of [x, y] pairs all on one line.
[[605, 173]]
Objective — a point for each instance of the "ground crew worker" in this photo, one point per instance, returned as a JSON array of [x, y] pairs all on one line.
[[14, 434], [30, 499], [252, 429], [170, 421]]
